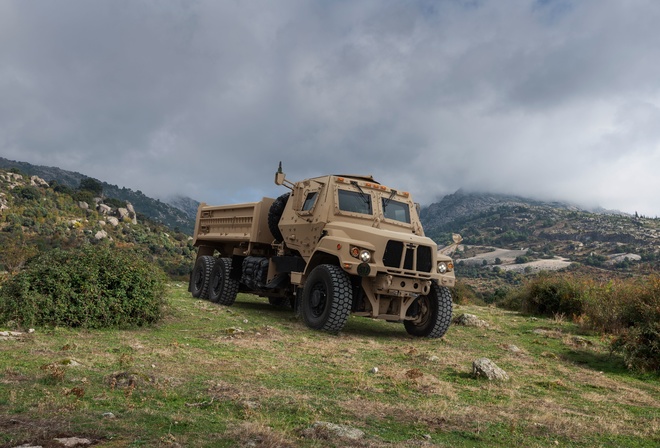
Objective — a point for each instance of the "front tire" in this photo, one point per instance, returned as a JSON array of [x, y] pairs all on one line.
[[327, 298], [199, 280], [222, 288], [432, 313]]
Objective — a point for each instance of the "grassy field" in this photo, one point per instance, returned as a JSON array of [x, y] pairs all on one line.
[[253, 375]]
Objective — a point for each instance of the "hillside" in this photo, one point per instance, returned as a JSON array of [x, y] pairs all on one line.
[[508, 237], [169, 214], [35, 216], [545, 229]]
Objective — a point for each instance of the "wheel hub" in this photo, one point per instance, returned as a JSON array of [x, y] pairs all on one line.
[[317, 298]]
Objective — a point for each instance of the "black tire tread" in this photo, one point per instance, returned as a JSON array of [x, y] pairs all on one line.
[[228, 289], [342, 298], [440, 297], [205, 263]]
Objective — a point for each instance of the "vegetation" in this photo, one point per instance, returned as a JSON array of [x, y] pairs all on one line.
[[40, 218], [88, 287], [253, 375], [84, 188], [628, 310]]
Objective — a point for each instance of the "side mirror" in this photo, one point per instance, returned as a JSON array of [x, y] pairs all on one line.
[[280, 178]]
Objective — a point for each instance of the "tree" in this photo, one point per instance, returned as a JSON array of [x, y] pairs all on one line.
[[92, 185]]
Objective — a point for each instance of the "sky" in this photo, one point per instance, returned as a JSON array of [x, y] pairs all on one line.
[[548, 99]]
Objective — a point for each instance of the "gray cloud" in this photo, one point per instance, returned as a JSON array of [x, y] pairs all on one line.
[[556, 99]]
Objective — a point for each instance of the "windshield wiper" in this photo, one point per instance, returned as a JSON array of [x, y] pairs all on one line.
[[387, 200], [365, 197]]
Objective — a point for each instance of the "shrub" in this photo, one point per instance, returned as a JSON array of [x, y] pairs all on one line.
[[628, 309], [639, 315], [548, 295], [89, 287], [463, 294]]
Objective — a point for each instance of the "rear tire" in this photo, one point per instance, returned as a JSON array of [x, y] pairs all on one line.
[[199, 280], [222, 288], [327, 298], [433, 313]]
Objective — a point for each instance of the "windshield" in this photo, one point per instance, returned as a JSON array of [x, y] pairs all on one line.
[[398, 211], [355, 202]]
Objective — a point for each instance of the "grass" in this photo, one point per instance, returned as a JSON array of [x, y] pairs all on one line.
[[253, 375]]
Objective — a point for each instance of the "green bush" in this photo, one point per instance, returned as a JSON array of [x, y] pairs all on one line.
[[627, 309], [89, 287], [548, 295], [639, 315]]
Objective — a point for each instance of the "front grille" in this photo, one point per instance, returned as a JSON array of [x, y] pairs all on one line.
[[415, 258]]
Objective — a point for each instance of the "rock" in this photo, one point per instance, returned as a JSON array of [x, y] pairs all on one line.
[[108, 415], [580, 341], [469, 320], [73, 441], [512, 348], [130, 208], [114, 222], [38, 182], [10, 333], [374, 370], [126, 214], [103, 209], [484, 367], [84, 205], [434, 358], [333, 429], [122, 213], [101, 234]]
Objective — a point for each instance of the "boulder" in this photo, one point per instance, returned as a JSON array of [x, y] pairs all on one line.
[[469, 320], [101, 234], [484, 367], [103, 209], [84, 205], [114, 222], [37, 181]]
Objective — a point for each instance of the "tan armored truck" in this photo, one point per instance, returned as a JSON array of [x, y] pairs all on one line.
[[333, 246]]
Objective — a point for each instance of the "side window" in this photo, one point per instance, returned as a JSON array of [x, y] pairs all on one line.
[[355, 202], [310, 200]]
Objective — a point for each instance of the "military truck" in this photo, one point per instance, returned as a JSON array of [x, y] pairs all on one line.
[[333, 246]]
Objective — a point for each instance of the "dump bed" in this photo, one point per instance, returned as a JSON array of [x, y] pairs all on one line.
[[233, 223]]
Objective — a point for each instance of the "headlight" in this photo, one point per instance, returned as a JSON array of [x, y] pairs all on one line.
[[442, 267], [365, 256], [361, 254]]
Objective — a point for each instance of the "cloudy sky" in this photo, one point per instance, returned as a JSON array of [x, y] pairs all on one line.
[[553, 99]]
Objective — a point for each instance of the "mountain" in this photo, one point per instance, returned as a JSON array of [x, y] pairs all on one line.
[[185, 204], [170, 215], [462, 204], [545, 229]]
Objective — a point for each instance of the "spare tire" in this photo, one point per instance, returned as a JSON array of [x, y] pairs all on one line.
[[275, 214]]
